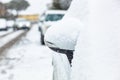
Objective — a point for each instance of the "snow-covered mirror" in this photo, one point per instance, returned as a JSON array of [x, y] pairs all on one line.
[[62, 36]]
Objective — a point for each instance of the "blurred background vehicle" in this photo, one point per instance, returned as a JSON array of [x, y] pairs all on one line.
[[49, 18], [22, 24], [3, 26], [10, 24]]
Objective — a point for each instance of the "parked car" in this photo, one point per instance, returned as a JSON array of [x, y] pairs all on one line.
[[3, 26], [62, 38], [49, 18], [97, 49], [10, 24], [22, 24]]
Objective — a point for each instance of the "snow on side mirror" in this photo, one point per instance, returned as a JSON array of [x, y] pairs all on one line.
[[62, 36]]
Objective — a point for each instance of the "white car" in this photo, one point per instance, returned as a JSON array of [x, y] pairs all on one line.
[[3, 26], [22, 24], [10, 24], [97, 50], [49, 18]]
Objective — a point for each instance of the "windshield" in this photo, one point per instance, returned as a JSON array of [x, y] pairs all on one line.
[[53, 17]]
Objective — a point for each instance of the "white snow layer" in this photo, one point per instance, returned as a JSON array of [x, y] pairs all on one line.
[[9, 38], [64, 33], [61, 67], [4, 33], [97, 53]]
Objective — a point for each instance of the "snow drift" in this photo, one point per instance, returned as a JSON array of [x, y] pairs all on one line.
[[97, 51]]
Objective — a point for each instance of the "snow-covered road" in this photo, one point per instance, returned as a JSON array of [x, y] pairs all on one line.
[[5, 32], [27, 60]]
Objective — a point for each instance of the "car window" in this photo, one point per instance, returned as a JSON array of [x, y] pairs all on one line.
[[53, 17]]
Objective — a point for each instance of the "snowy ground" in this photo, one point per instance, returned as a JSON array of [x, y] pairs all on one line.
[[9, 38], [5, 32], [27, 60]]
